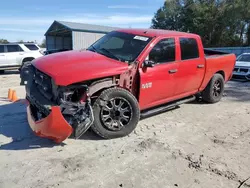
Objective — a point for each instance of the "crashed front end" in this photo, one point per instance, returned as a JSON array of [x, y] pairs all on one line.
[[53, 111]]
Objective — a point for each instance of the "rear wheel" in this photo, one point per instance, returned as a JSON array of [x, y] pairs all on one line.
[[214, 90], [116, 113]]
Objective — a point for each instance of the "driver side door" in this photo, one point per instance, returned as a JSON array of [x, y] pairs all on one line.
[[157, 83]]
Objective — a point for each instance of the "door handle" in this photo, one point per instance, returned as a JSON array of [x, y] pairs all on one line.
[[2, 55], [200, 66], [172, 71], [21, 53]]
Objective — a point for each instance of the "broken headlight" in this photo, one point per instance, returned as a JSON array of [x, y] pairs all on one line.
[[73, 93]]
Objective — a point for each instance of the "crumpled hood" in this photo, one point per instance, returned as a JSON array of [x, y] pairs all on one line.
[[242, 64], [70, 67]]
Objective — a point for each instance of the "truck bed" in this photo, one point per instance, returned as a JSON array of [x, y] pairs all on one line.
[[209, 52], [217, 61]]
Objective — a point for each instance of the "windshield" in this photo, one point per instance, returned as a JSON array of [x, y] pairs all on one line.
[[120, 46], [245, 57]]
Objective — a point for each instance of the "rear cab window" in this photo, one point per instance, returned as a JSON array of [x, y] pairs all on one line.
[[14, 48], [189, 48], [31, 47]]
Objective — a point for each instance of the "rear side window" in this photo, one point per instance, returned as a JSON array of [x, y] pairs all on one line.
[[31, 47], [14, 48], [189, 48], [1, 49], [163, 51]]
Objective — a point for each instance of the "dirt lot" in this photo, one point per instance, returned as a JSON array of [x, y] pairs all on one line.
[[196, 145]]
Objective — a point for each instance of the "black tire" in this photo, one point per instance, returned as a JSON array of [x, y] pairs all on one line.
[[1, 71], [24, 65], [214, 90], [25, 72], [110, 97]]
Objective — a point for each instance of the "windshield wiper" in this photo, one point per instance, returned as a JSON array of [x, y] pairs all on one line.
[[111, 54]]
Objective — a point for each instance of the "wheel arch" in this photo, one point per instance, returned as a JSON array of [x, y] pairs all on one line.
[[209, 93], [207, 79], [220, 72], [96, 87], [26, 59]]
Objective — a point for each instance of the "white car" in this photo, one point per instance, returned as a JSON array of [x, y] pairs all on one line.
[[14, 55], [242, 67]]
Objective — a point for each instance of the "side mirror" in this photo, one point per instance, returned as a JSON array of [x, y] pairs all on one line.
[[148, 63]]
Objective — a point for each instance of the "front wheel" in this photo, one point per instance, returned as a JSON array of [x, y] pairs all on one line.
[[116, 113], [214, 90]]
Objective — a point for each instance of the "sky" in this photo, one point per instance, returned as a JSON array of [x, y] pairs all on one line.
[[28, 20]]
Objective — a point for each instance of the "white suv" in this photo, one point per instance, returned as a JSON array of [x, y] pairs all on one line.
[[14, 55]]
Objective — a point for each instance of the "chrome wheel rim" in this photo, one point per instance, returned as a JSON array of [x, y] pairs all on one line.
[[116, 113], [217, 88]]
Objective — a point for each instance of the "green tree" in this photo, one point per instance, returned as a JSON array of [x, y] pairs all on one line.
[[4, 41], [248, 36], [43, 44], [169, 16], [218, 22]]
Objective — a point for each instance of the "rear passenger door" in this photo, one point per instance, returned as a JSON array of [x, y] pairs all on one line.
[[14, 54], [191, 66]]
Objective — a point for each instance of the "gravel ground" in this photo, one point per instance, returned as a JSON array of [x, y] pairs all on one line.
[[196, 145]]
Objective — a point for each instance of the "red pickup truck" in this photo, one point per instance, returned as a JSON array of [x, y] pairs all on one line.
[[126, 75]]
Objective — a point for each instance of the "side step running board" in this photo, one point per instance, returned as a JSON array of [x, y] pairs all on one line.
[[163, 108]]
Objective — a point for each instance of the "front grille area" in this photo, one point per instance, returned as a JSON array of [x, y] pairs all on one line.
[[239, 77], [43, 84], [236, 69], [241, 70], [244, 70]]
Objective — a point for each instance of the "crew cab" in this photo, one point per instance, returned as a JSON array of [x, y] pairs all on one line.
[[14, 55], [126, 75], [242, 67]]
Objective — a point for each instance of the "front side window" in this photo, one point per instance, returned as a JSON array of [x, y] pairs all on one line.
[[1, 48], [31, 47], [120, 46], [189, 48], [14, 48], [163, 51]]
